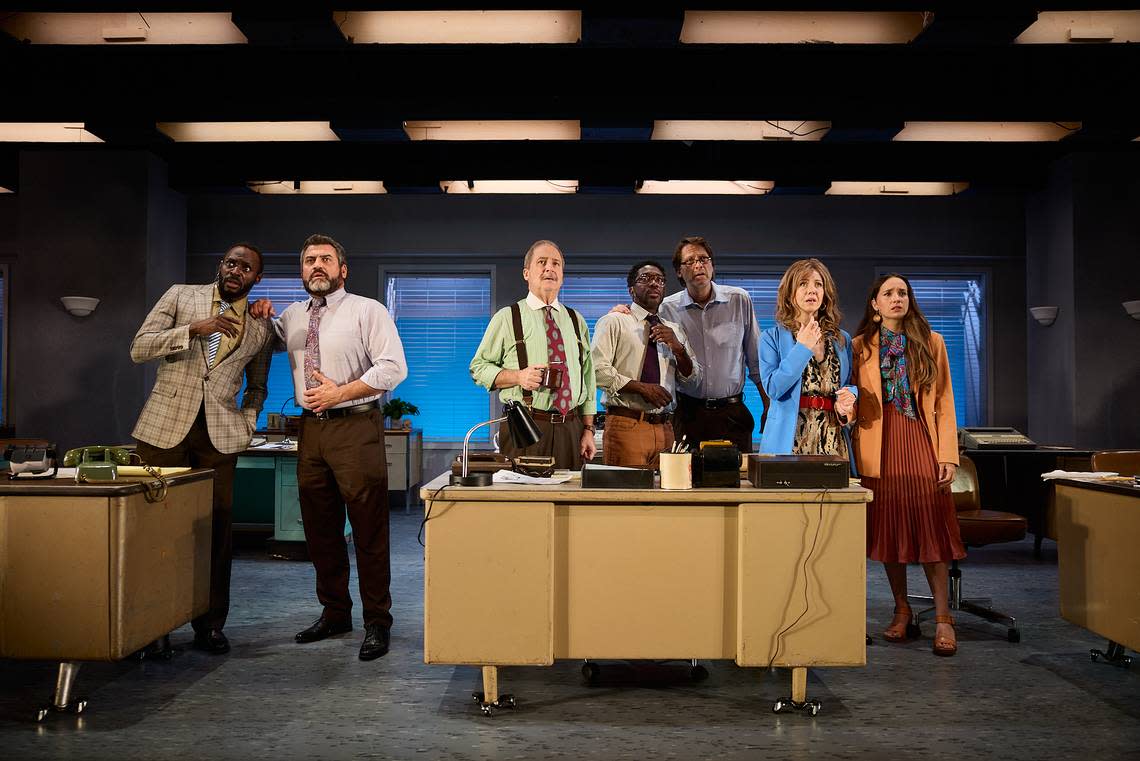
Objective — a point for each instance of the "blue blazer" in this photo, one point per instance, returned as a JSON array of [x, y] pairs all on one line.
[[782, 363]]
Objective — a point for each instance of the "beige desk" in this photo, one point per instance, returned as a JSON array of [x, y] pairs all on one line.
[[1098, 533], [94, 572], [524, 575]]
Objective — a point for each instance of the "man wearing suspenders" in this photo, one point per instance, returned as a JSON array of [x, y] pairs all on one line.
[[525, 339]]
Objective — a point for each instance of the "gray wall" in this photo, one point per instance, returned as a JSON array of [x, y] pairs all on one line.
[[1083, 239], [92, 223]]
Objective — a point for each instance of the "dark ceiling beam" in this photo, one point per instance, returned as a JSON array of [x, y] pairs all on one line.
[[868, 83], [1000, 26], [283, 25], [614, 164]]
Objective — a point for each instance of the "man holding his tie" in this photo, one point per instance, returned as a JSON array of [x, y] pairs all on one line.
[[637, 358], [207, 341]]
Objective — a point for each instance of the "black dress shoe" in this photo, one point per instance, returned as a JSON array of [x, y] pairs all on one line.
[[321, 629], [212, 641], [375, 642]]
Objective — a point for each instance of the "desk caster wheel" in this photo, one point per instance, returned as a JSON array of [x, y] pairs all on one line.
[[778, 706], [810, 706], [698, 673], [1013, 635], [591, 672]]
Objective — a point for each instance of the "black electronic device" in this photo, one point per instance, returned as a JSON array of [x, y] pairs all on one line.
[[809, 471], [716, 465], [993, 438], [31, 461]]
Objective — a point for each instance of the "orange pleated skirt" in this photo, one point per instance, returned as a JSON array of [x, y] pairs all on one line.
[[910, 519]]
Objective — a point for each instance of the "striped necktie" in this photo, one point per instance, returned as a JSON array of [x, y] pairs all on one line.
[[214, 340]]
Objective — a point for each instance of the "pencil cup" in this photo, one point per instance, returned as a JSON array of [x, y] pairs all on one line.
[[676, 470]]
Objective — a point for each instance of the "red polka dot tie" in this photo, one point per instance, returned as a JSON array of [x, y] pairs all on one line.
[[556, 355]]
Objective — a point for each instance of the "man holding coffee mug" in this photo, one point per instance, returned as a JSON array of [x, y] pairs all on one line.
[[537, 351], [638, 357]]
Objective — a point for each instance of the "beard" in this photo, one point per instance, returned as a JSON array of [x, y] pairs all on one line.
[[320, 286], [226, 288]]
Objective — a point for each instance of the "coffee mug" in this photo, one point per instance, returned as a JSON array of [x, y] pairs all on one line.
[[551, 376], [274, 421]]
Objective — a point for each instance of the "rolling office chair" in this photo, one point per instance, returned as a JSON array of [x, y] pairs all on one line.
[[979, 527], [1126, 462]]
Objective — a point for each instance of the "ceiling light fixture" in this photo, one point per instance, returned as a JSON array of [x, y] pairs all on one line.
[[247, 132], [792, 27], [726, 129], [996, 132], [461, 27], [508, 186], [707, 187], [123, 28], [1082, 27], [317, 187], [502, 129], [46, 132], [848, 188]]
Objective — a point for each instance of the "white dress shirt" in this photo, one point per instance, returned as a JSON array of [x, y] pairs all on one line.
[[358, 341]]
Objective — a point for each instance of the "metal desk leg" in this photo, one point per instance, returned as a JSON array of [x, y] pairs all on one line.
[[490, 699], [798, 701], [61, 700]]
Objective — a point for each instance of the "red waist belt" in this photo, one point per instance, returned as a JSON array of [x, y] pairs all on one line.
[[817, 403]]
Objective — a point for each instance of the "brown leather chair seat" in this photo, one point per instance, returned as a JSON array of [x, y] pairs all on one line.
[[981, 527]]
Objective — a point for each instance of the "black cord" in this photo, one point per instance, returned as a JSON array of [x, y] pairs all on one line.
[[807, 559], [793, 130], [427, 517]]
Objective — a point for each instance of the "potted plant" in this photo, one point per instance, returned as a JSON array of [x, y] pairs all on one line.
[[394, 409]]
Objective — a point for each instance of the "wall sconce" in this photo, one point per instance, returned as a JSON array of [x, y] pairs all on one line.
[[1044, 315], [1133, 308], [80, 306]]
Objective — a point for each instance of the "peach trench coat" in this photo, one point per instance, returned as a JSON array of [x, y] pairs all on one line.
[[935, 405]]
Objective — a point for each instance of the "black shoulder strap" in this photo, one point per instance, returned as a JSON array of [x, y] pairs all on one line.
[[520, 345], [582, 349]]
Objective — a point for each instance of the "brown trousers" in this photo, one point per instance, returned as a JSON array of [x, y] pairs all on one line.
[[341, 466], [733, 422], [635, 443], [562, 441], [197, 451]]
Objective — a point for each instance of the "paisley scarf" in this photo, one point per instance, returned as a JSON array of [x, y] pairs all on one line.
[[892, 363]]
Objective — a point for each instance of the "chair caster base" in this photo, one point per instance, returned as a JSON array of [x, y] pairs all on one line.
[[160, 649], [1113, 655], [488, 709], [787, 704], [75, 708]]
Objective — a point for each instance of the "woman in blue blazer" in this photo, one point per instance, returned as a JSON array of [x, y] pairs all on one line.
[[805, 366]]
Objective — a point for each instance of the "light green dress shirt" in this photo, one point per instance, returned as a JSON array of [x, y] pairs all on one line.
[[496, 352]]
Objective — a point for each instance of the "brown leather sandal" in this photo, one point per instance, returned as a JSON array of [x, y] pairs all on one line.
[[945, 645], [900, 629]]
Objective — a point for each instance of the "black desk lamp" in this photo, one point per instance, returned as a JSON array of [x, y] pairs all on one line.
[[524, 433]]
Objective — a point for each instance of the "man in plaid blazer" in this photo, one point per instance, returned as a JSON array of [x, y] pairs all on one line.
[[206, 341]]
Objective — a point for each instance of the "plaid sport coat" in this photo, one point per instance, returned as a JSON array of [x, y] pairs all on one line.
[[185, 382]]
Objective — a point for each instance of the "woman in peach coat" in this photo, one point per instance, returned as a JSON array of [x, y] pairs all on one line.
[[906, 450]]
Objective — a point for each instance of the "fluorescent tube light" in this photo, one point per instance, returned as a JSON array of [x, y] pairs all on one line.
[[461, 27], [996, 132], [46, 132], [123, 28], [1082, 27], [707, 187], [845, 188], [318, 187], [509, 186], [246, 132], [784, 27], [721, 129], [505, 129]]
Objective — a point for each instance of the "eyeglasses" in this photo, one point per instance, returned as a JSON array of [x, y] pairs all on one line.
[[648, 279], [701, 260], [236, 264]]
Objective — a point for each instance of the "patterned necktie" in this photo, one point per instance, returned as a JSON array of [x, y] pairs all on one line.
[[555, 353], [313, 342], [214, 340], [651, 368]]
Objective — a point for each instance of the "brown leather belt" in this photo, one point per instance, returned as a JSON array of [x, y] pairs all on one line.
[[710, 404], [656, 418], [810, 401], [335, 412], [553, 416]]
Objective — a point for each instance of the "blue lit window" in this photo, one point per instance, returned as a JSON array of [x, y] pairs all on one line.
[[282, 291]]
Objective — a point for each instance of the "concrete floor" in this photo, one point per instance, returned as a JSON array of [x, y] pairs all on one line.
[[271, 698]]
